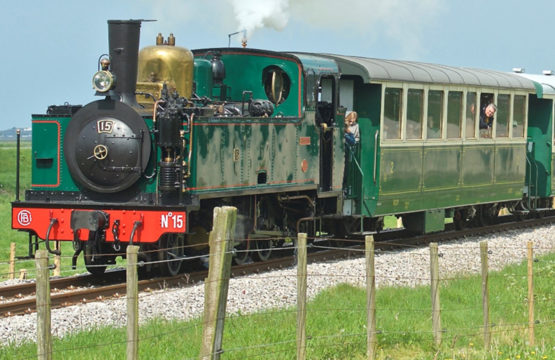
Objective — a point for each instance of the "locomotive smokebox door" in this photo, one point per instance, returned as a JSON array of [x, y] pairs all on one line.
[[107, 146]]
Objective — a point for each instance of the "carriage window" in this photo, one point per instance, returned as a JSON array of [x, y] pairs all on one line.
[[519, 115], [415, 113], [392, 113], [454, 114], [470, 115], [485, 122], [435, 112], [503, 115]]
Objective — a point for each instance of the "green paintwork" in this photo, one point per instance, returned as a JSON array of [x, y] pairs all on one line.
[[367, 103], [203, 77], [553, 177], [538, 170], [244, 71], [419, 177], [425, 222], [47, 143], [253, 154], [258, 153]]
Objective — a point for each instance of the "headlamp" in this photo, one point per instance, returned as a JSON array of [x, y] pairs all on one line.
[[103, 81]]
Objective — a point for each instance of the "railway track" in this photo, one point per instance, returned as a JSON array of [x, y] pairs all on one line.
[[19, 299]]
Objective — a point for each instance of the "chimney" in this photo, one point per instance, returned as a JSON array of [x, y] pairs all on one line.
[[123, 37]]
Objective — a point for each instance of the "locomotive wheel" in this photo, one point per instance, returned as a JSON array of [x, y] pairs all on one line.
[[172, 251], [242, 252], [487, 214], [460, 219], [263, 248], [94, 262]]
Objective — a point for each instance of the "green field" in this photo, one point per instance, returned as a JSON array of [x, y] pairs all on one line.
[[8, 165], [336, 321]]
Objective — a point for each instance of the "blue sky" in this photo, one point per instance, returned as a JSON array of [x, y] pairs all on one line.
[[51, 48]]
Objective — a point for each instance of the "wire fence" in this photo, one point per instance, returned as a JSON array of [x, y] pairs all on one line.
[[260, 311]]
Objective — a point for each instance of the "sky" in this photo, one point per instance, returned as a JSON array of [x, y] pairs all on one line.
[[51, 48]]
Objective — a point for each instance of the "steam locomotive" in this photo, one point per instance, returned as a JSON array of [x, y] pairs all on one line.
[[177, 132]]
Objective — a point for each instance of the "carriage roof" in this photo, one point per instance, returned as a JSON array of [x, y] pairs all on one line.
[[371, 70]]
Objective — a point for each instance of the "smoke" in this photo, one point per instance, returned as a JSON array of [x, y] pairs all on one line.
[[399, 24], [256, 14], [400, 21]]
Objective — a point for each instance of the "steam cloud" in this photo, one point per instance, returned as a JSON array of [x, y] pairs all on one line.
[[396, 20], [256, 14]]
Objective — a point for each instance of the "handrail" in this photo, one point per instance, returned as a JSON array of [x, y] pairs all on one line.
[[529, 176], [352, 156], [376, 154], [532, 196], [355, 159]]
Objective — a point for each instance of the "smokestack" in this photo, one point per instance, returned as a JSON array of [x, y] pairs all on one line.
[[123, 37]]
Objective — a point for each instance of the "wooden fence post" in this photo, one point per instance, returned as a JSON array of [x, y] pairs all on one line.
[[371, 340], [301, 296], [11, 270], [217, 283], [132, 303], [434, 277], [485, 293], [531, 293], [44, 336]]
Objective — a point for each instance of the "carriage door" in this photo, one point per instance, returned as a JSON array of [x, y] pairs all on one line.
[[325, 119], [538, 149]]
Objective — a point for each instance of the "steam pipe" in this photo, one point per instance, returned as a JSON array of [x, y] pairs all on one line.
[[53, 221], [190, 147]]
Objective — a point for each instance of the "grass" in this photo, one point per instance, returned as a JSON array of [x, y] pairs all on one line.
[[8, 165], [336, 326]]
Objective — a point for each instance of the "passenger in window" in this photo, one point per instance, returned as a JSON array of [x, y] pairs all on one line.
[[352, 133], [486, 116], [486, 119]]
